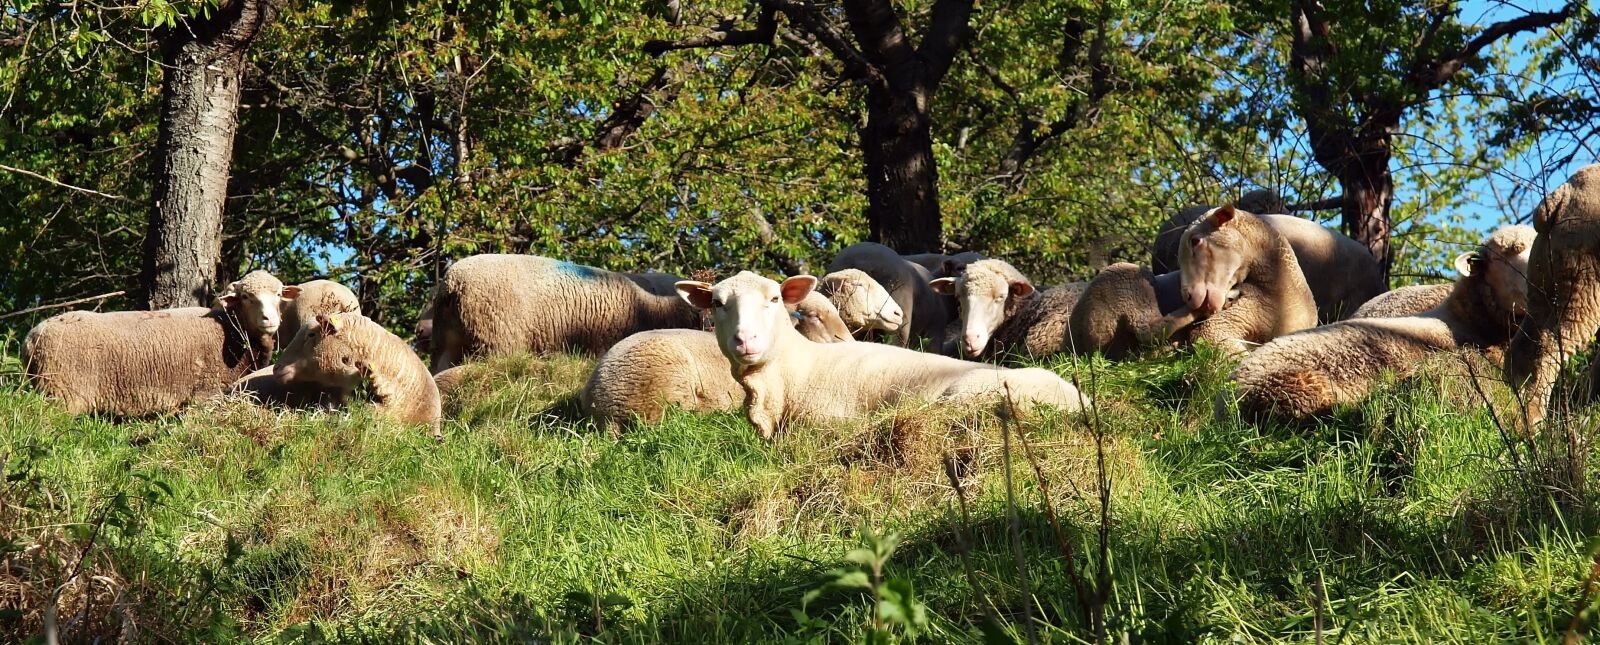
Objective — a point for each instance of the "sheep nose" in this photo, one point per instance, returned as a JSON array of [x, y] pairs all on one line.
[[974, 344]]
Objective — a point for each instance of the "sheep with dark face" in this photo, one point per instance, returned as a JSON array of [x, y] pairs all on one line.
[[139, 363], [1002, 311], [1307, 373]]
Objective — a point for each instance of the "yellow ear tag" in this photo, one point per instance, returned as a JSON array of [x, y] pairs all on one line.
[[333, 321]]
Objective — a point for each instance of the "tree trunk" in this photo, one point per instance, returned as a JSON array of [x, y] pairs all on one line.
[[1369, 194], [204, 61], [902, 178]]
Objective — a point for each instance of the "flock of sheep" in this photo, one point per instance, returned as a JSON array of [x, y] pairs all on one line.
[[1256, 285]]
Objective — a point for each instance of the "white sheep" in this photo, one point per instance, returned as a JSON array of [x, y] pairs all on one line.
[[314, 298], [340, 352], [139, 363], [788, 378], [1405, 301], [648, 371], [1002, 311], [863, 304], [504, 304], [1228, 251], [1307, 373], [926, 313]]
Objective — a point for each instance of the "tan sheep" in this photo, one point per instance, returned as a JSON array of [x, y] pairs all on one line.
[[788, 378], [863, 304], [1307, 373], [926, 313], [139, 363], [1341, 272], [340, 352], [1001, 310], [1405, 301], [1126, 308], [315, 298], [648, 371], [504, 304], [263, 388], [1228, 250], [1564, 278]]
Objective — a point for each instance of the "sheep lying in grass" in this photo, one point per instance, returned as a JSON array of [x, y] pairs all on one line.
[[1564, 278], [1341, 272], [505, 304], [314, 298], [138, 363], [926, 313], [864, 305], [1307, 373], [340, 352], [1002, 311], [648, 371], [788, 378], [1405, 301], [1126, 308], [1229, 250]]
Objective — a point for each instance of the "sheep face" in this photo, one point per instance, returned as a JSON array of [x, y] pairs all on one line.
[[749, 312], [1211, 261], [817, 319], [862, 302], [982, 294], [1502, 264], [322, 354], [258, 300]]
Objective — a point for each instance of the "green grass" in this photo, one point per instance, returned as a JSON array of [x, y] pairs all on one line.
[[1410, 517]]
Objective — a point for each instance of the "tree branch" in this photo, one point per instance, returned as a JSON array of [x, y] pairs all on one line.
[[877, 28], [855, 64], [948, 31], [62, 184], [1431, 74], [1331, 203], [724, 35], [625, 118]]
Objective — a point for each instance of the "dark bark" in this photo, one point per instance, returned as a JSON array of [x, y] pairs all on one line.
[[901, 80], [204, 61]]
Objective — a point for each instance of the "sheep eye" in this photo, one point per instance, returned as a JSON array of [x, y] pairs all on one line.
[[345, 360], [1194, 241], [774, 299]]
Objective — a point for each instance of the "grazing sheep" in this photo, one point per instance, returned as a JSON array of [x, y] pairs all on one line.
[[787, 378], [1229, 250], [314, 298], [1341, 272], [1125, 308], [1002, 311], [1564, 278], [640, 376], [139, 363], [863, 304], [926, 313], [504, 304], [1405, 301], [1307, 373], [340, 352]]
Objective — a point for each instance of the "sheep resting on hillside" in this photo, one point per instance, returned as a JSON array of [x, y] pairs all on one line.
[[1126, 308], [504, 304], [1229, 250], [138, 363], [1405, 301], [864, 305], [340, 352], [1307, 373], [1002, 311], [788, 378], [926, 313]]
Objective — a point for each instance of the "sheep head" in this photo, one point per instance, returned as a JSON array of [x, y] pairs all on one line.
[[1501, 265], [817, 319], [257, 299], [750, 312], [985, 291], [323, 353], [1211, 260], [862, 302]]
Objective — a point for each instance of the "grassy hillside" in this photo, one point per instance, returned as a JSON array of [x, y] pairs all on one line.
[[1410, 518]]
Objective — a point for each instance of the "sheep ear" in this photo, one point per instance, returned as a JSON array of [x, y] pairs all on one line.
[[797, 288], [289, 293], [1466, 262], [1223, 215], [695, 293], [328, 323], [225, 301], [944, 286], [1021, 289]]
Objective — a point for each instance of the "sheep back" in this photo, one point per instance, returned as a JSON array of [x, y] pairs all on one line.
[[339, 352], [1115, 312], [1405, 301], [1042, 326], [927, 313], [638, 378]]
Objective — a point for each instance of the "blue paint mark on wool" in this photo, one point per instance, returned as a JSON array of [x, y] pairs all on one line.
[[573, 268]]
